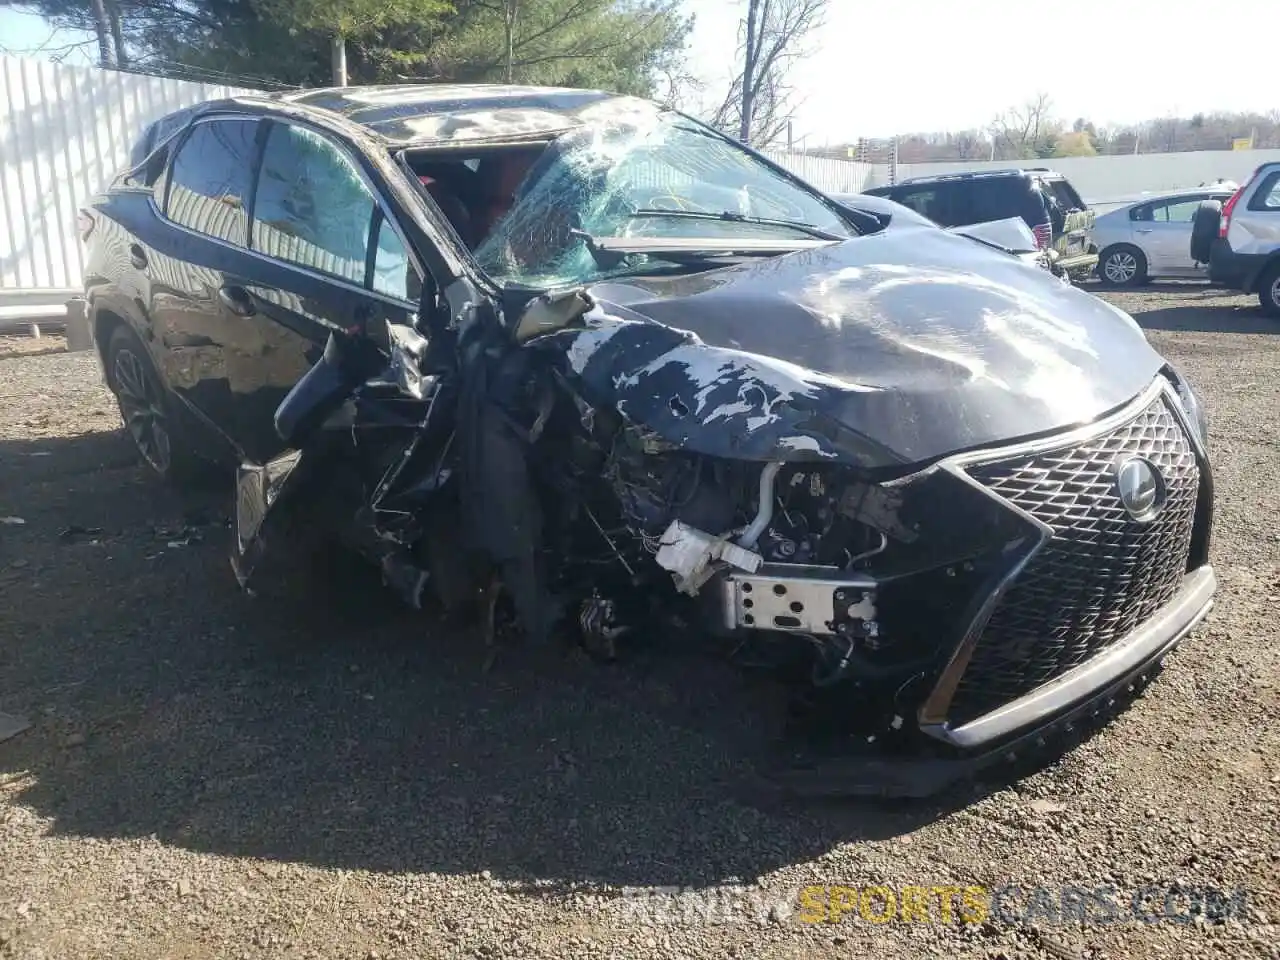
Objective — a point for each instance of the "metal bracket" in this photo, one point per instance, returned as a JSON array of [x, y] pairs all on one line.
[[796, 598]]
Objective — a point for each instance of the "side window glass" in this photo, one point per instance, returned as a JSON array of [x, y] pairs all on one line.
[[1267, 196], [1182, 211], [1066, 196], [1141, 214], [393, 270], [312, 207], [211, 178], [925, 202]]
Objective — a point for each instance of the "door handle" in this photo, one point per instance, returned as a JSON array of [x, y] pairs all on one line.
[[237, 300], [1143, 230], [137, 256]]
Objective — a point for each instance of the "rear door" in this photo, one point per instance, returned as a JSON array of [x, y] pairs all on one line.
[[1165, 237], [201, 241], [931, 200]]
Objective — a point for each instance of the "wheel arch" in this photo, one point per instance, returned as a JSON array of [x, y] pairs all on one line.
[[1144, 263], [1253, 283], [104, 324]]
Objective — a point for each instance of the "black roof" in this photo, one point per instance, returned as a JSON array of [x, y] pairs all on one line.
[[982, 175], [441, 114]]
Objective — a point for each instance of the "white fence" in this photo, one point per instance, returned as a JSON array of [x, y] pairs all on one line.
[[1112, 179], [64, 132], [827, 173]]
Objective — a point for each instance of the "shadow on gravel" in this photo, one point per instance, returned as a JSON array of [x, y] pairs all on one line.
[[1209, 319], [344, 730]]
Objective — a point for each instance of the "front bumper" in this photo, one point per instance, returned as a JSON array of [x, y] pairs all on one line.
[[1096, 689], [1078, 264], [1075, 612]]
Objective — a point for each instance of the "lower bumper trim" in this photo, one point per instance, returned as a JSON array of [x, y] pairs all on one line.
[[910, 777], [1166, 627]]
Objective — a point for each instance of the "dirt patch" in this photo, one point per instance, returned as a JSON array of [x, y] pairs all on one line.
[[209, 777], [25, 345]]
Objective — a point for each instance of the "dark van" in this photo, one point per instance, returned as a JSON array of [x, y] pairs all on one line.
[[1043, 198]]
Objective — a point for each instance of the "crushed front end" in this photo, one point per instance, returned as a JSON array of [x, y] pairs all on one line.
[[960, 615]]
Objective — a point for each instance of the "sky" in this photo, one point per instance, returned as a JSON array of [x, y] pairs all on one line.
[[904, 66]]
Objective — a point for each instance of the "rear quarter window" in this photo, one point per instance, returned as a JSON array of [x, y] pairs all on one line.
[[211, 179], [1066, 194], [1267, 196], [929, 200]]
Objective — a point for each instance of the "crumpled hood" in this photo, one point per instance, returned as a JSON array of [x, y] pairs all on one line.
[[896, 348]]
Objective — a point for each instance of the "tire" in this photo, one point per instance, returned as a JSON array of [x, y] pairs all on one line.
[[1269, 291], [147, 409], [1122, 265], [1204, 230]]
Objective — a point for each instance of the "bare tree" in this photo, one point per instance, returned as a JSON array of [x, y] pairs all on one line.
[[758, 104], [1021, 132]]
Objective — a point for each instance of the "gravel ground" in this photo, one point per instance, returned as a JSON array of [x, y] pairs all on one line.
[[209, 777]]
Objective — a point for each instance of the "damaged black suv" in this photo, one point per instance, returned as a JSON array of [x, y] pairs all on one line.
[[581, 359]]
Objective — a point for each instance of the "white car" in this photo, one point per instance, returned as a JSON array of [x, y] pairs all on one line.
[[1151, 237]]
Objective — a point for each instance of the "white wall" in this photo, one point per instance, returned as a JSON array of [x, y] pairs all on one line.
[[828, 174], [64, 132], [1125, 177]]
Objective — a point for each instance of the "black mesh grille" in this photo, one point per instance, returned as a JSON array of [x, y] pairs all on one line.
[[1100, 576]]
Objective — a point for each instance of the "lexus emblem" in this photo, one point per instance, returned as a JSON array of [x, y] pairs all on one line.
[[1140, 488]]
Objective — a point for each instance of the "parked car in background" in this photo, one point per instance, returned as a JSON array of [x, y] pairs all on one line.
[[1240, 239], [1011, 235], [1045, 200], [1151, 237]]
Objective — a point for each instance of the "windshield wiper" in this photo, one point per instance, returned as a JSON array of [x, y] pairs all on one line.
[[611, 252], [731, 217]]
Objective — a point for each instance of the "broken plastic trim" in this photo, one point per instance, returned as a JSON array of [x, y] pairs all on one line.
[[690, 555]]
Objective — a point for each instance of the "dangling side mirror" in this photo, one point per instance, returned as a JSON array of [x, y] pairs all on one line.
[[551, 312], [408, 351]]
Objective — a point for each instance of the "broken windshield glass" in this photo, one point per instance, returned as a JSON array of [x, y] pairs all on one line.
[[593, 182]]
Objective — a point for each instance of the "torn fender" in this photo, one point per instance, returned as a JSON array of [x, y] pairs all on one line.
[[263, 493], [707, 399]]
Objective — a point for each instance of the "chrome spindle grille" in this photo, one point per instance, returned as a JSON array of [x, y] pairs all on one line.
[[1101, 574]]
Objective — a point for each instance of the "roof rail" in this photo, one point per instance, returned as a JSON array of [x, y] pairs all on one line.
[[966, 175]]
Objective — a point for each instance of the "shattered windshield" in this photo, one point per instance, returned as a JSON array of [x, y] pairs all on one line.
[[616, 180]]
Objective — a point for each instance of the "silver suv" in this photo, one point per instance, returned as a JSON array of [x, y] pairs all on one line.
[[1240, 240]]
